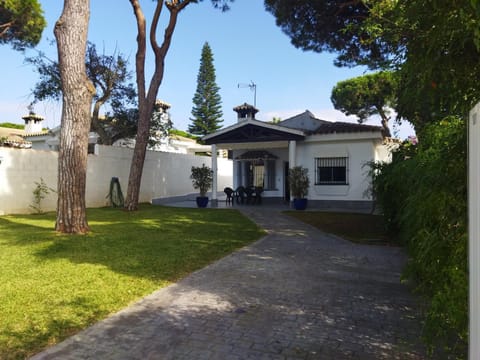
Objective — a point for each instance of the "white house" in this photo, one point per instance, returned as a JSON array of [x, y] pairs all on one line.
[[38, 139], [336, 155]]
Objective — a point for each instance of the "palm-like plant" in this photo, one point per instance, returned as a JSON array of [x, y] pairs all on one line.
[[202, 178], [299, 182]]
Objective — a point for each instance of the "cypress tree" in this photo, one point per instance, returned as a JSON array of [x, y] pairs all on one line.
[[207, 103]]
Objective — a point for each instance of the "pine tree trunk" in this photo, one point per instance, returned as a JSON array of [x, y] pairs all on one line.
[[146, 100], [138, 159], [384, 121], [77, 93]]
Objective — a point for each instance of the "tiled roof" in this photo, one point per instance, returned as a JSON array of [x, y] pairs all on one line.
[[40, 133], [5, 132], [343, 127]]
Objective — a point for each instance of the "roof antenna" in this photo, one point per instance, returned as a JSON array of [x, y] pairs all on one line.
[[253, 87]]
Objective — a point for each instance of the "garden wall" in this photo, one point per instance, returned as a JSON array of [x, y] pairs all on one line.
[[164, 175]]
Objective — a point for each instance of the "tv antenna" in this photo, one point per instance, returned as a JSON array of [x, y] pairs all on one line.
[[253, 87]]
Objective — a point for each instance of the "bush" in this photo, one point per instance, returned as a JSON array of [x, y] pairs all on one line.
[[202, 178], [299, 181], [423, 193]]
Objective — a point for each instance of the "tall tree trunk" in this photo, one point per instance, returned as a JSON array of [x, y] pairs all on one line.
[[146, 100], [77, 94], [384, 121]]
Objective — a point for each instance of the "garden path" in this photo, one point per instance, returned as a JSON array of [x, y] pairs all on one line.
[[297, 293]]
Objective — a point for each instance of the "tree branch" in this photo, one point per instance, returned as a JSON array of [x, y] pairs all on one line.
[[141, 47]]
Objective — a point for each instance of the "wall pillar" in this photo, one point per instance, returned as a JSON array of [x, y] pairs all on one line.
[[292, 153], [474, 230], [215, 171]]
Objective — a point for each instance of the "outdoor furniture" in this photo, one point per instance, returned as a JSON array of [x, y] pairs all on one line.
[[230, 193], [240, 195], [258, 194], [249, 191], [254, 194]]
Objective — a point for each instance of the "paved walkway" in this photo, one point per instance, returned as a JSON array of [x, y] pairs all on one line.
[[295, 294]]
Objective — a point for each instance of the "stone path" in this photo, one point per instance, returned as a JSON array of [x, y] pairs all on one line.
[[295, 294]]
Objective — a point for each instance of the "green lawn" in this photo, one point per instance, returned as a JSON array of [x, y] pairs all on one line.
[[53, 285], [359, 228]]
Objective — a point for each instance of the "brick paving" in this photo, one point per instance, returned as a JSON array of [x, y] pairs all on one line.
[[295, 294]]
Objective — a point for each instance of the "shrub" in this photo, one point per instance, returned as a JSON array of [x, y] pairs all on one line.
[[39, 193], [202, 178], [299, 181], [423, 193]]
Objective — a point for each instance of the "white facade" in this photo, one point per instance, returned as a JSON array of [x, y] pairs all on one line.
[[359, 153], [337, 156]]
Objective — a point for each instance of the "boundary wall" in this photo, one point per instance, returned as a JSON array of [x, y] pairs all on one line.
[[164, 175]]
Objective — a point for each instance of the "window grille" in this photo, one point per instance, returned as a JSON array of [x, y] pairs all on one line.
[[331, 171]]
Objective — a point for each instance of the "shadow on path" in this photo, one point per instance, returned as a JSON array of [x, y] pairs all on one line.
[[295, 294]]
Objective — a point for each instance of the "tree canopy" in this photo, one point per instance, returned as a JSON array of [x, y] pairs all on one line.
[[110, 76], [365, 96], [433, 44], [21, 23], [207, 103], [340, 27]]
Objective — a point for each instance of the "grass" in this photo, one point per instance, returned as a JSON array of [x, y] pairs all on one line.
[[52, 285], [358, 228]]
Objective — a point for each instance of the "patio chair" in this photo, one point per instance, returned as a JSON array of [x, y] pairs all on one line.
[[240, 195], [229, 192], [254, 195], [250, 191], [258, 194]]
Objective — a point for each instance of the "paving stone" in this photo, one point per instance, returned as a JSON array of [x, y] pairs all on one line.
[[295, 294]]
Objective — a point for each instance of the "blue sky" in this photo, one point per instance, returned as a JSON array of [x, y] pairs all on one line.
[[247, 47]]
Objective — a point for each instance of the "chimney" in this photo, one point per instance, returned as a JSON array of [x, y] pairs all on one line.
[[33, 123], [245, 112]]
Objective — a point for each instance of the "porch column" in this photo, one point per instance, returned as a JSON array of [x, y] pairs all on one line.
[[292, 152], [214, 168]]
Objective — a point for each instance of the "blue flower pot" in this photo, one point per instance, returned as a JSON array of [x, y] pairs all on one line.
[[300, 204], [202, 201]]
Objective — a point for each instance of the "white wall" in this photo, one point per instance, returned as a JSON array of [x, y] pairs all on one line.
[[358, 153], [474, 230], [164, 175]]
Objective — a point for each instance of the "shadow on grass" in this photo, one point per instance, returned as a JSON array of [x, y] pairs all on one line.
[[23, 342], [366, 229], [124, 257], [155, 242], [285, 297]]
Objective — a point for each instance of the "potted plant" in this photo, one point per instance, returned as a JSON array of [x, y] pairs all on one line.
[[202, 178], [299, 183]]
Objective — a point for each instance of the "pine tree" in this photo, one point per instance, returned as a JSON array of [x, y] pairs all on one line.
[[207, 109]]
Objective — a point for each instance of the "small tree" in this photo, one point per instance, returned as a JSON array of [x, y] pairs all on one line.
[[110, 76], [202, 178], [207, 109], [39, 193], [299, 181]]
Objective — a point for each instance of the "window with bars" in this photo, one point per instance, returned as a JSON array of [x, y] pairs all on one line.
[[331, 171]]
